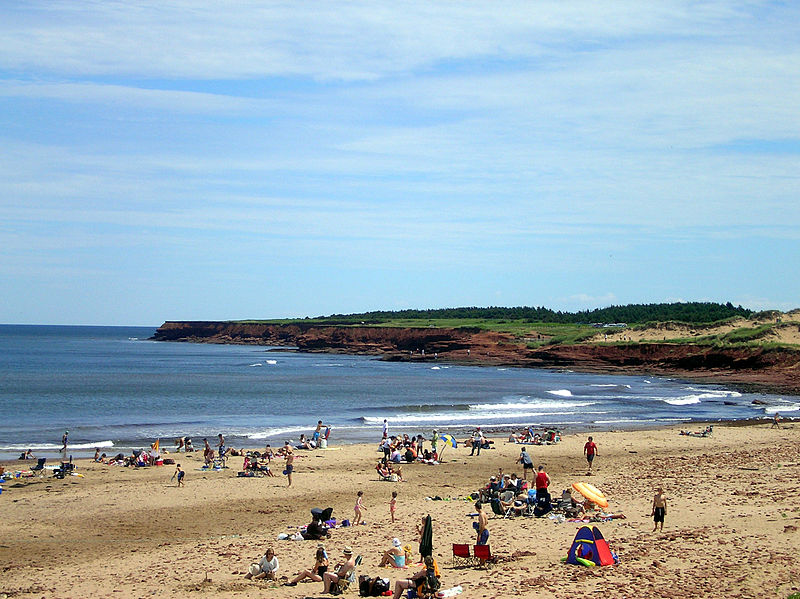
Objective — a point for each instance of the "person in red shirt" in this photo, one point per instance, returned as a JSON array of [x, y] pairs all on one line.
[[590, 450], [542, 482]]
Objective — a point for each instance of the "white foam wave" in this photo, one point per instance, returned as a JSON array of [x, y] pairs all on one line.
[[277, 431], [53, 447], [683, 401], [435, 368], [538, 404], [271, 362], [256, 364], [463, 417], [698, 397], [714, 393], [795, 407], [561, 392]]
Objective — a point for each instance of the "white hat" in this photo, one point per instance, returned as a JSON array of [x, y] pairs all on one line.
[[396, 542]]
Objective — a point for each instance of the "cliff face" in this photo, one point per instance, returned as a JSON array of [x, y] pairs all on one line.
[[778, 369]]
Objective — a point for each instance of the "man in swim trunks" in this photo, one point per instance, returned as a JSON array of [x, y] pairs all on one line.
[[318, 431], [480, 525], [590, 450], [287, 451], [659, 508]]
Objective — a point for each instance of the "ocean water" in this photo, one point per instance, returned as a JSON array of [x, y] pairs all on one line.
[[114, 389]]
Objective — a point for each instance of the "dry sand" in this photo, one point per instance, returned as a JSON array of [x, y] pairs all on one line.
[[731, 528], [786, 330]]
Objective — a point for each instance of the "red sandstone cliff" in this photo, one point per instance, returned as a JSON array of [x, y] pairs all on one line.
[[776, 368]]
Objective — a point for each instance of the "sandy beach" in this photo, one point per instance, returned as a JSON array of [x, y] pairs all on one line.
[[731, 527]]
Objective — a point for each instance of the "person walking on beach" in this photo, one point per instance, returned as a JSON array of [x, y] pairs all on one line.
[[776, 421], [64, 439], [480, 525], [659, 508], [179, 474], [359, 508], [477, 441], [385, 428], [287, 450], [221, 445], [590, 450], [393, 505], [527, 463]]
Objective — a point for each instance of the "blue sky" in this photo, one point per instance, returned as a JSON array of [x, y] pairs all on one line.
[[188, 160]]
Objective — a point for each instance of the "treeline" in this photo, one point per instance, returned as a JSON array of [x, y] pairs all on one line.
[[689, 312]]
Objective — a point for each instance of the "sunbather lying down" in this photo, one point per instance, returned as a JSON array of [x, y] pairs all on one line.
[[704, 433]]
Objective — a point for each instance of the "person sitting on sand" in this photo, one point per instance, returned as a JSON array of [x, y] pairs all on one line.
[[396, 470], [26, 455], [396, 456], [382, 469], [188, 447], [395, 556], [340, 571], [208, 453], [316, 572], [429, 571], [267, 567]]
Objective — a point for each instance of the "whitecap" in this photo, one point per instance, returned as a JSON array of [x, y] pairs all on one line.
[[683, 401], [561, 392], [256, 364], [271, 362]]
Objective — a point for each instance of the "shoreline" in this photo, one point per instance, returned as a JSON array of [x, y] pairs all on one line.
[[497, 433], [133, 533]]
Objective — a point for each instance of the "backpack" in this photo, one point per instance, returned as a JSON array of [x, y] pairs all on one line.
[[431, 582]]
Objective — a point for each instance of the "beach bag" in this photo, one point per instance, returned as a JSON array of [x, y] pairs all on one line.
[[372, 587]]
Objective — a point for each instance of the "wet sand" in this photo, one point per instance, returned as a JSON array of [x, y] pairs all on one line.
[[732, 527]]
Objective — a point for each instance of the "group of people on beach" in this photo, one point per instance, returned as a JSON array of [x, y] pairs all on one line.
[[332, 578]]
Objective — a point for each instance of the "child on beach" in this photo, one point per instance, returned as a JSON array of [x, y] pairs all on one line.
[[393, 504], [659, 508], [179, 473], [358, 509]]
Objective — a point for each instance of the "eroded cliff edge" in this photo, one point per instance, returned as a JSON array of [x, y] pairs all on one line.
[[776, 369]]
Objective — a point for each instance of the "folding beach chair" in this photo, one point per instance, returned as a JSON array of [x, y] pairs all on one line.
[[499, 510], [483, 555], [39, 465], [461, 555], [345, 583]]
